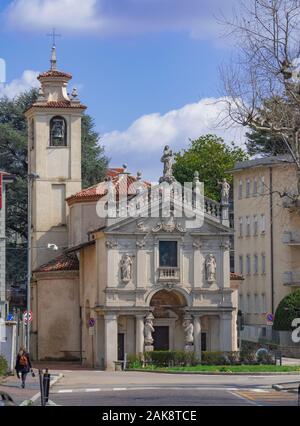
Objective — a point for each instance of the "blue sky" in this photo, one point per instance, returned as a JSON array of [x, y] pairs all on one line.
[[146, 69]]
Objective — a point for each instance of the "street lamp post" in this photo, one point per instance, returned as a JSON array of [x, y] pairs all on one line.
[[31, 177]]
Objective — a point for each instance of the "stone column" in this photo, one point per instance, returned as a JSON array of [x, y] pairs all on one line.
[[197, 336], [139, 336], [111, 341], [226, 339]]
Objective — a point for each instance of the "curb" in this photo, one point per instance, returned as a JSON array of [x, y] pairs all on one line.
[[225, 373], [31, 401]]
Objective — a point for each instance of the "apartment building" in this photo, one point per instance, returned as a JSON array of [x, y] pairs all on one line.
[[267, 239]]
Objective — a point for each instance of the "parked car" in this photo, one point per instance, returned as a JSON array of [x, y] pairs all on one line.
[[6, 400]]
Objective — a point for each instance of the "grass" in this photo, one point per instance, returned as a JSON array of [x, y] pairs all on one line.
[[228, 368]]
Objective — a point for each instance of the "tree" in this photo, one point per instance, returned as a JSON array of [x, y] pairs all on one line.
[[212, 158], [94, 162], [263, 89], [288, 309], [264, 144], [13, 159]]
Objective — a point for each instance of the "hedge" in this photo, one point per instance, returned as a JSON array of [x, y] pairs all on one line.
[[3, 366], [288, 309]]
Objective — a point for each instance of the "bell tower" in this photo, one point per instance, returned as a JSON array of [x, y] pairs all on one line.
[[54, 158]]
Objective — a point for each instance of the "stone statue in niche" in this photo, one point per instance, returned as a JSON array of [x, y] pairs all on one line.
[[211, 268], [189, 331], [148, 330], [126, 268], [224, 191]]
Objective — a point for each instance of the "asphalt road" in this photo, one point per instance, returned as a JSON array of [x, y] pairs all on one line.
[[175, 397], [96, 388]]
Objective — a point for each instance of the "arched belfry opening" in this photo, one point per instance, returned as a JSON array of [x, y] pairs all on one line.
[[168, 311]]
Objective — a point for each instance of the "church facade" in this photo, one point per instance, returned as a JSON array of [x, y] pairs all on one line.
[[121, 283]]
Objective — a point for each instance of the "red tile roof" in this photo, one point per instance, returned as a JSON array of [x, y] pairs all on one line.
[[54, 73], [236, 277], [65, 262], [58, 104], [94, 193]]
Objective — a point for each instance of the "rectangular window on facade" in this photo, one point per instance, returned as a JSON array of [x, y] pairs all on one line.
[[261, 184], [255, 187], [263, 303], [58, 205], [241, 226], [241, 302], [240, 189], [255, 264], [248, 303], [262, 224], [241, 265], [248, 226], [255, 225], [248, 265], [248, 188], [263, 263], [256, 304], [168, 255]]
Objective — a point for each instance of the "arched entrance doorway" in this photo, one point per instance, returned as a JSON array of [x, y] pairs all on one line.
[[168, 310]]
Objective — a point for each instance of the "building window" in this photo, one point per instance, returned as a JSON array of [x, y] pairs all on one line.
[[262, 185], [255, 225], [248, 226], [241, 302], [263, 263], [241, 265], [248, 309], [241, 226], [168, 255], [240, 189], [248, 188], [263, 303], [255, 264], [262, 224], [58, 131], [255, 187], [256, 304], [248, 265]]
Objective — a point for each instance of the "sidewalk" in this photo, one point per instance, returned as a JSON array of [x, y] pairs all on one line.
[[12, 386]]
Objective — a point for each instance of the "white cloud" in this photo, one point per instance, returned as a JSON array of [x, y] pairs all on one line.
[[41, 14], [142, 143], [198, 18], [20, 85]]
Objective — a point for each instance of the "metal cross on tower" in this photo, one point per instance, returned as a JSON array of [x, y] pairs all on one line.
[[54, 35]]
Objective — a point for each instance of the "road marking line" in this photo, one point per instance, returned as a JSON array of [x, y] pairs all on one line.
[[258, 390], [119, 389], [238, 395], [65, 391]]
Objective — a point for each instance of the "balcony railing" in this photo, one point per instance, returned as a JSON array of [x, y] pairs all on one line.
[[291, 238], [168, 274], [291, 278]]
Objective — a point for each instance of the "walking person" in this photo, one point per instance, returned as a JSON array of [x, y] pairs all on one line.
[[23, 365]]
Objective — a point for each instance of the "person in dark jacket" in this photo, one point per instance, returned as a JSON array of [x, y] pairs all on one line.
[[23, 365]]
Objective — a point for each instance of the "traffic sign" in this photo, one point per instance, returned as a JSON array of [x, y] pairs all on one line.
[[27, 318], [10, 317], [91, 322], [270, 319]]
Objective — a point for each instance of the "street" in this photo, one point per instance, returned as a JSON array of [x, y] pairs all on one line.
[[99, 388]]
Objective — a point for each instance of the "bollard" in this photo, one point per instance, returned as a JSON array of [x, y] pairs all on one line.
[[42, 388], [46, 385], [299, 396]]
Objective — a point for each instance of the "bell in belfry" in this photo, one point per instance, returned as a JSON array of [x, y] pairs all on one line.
[[58, 129]]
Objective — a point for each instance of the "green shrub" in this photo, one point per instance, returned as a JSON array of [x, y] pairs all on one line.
[[170, 358], [247, 356], [213, 358], [135, 360], [287, 311], [3, 366]]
